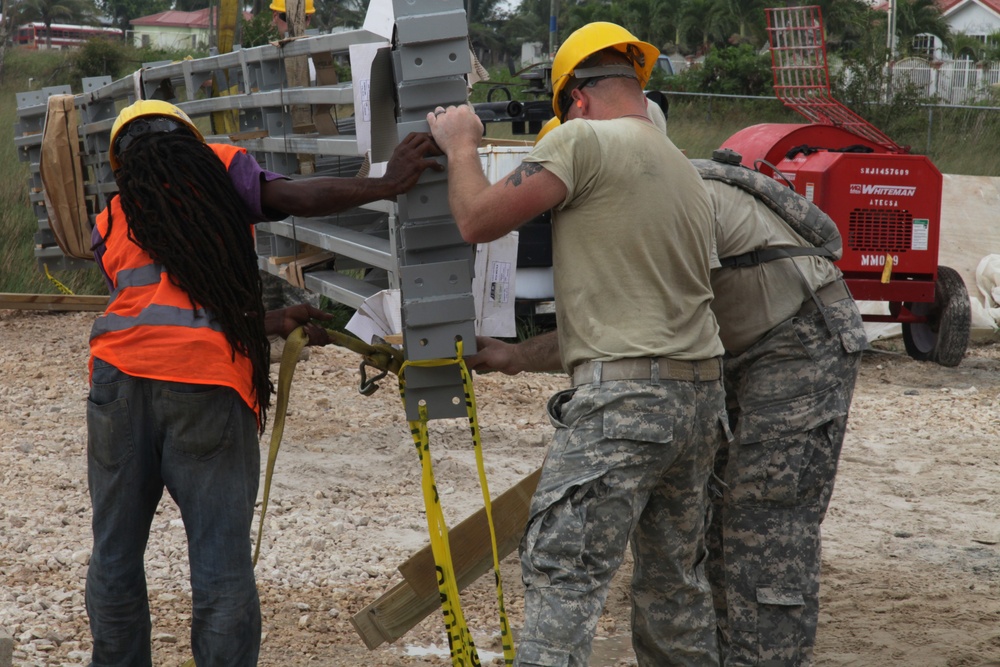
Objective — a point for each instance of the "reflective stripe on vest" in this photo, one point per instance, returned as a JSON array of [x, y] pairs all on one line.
[[140, 277], [156, 316]]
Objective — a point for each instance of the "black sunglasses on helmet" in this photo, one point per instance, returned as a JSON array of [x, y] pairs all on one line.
[[143, 126], [584, 77]]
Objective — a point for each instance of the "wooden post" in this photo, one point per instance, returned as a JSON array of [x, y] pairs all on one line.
[[297, 71], [61, 302]]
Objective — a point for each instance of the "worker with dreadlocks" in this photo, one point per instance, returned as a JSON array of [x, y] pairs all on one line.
[[180, 380]]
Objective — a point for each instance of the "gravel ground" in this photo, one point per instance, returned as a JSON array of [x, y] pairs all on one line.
[[911, 556]]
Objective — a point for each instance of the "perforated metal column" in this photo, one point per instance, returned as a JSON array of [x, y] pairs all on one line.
[[430, 60]]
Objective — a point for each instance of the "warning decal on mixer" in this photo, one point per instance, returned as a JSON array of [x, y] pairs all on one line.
[[920, 235]]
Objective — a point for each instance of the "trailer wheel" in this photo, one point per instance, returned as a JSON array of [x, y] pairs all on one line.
[[944, 337]]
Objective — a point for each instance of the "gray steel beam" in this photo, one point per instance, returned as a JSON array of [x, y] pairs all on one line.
[[366, 248], [430, 58]]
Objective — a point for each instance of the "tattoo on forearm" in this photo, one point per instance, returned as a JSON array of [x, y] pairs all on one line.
[[523, 170]]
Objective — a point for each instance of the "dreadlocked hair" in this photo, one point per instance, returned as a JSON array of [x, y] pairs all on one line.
[[183, 210]]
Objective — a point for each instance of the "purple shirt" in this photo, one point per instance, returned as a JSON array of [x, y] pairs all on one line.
[[247, 176]]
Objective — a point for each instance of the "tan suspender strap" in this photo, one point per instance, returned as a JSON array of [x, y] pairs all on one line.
[[826, 295]]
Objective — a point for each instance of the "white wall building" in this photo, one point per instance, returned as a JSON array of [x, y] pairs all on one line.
[[174, 29]]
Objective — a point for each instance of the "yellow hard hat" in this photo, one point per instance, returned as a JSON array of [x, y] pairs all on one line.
[[550, 124], [593, 38], [147, 109], [279, 6]]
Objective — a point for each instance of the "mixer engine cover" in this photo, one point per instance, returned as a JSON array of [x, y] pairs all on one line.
[[887, 207]]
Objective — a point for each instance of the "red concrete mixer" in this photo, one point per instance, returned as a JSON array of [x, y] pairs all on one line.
[[885, 201]]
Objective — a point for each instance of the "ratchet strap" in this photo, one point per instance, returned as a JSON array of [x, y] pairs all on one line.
[[297, 340], [463, 649], [384, 357]]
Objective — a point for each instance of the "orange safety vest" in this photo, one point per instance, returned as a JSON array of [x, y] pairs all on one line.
[[149, 328]]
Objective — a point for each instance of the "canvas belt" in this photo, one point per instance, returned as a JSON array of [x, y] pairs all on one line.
[[652, 369], [827, 294]]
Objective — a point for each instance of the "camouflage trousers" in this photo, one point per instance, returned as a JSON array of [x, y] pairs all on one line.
[[788, 398], [629, 461], [279, 293]]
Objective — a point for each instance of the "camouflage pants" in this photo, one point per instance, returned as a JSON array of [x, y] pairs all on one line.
[[788, 397], [279, 293], [629, 461]]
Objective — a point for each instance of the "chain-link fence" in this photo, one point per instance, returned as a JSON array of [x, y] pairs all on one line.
[[958, 139]]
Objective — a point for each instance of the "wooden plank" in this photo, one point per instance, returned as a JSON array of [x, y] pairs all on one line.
[[470, 540], [407, 603], [392, 615], [53, 302]]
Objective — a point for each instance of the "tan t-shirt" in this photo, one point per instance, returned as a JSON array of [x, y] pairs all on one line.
[[752, 300], [630, 244]]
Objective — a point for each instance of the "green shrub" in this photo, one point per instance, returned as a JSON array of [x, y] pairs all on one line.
[[862, 85], [734, 70], [100, 57], [258, 31]]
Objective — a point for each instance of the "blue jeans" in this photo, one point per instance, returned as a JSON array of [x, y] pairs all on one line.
[[200, 442]]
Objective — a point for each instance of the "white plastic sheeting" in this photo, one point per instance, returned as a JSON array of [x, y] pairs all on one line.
[[986, 314]]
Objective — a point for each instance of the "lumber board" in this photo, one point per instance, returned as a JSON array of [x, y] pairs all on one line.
[[470, 540], [407, 603], [53, 302], [392, 615]]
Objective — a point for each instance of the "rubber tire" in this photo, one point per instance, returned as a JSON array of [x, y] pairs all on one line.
[[944, 338]]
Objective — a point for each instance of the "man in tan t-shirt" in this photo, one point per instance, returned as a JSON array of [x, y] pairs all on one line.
[[636, 436]]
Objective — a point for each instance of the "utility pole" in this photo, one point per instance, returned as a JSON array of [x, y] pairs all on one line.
[[891, 48], [553, 29], [891, 37]]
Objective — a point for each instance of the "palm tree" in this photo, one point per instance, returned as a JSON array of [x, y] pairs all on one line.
[[748, 14], [965, 47], [846, 21], [57, 11], [486, 18], [530, 21], [919, 17], [649, 20], [703, 23]]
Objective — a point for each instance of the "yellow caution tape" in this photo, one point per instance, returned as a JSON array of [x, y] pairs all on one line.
[[887, 269], [62, 288], [463, 650]]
